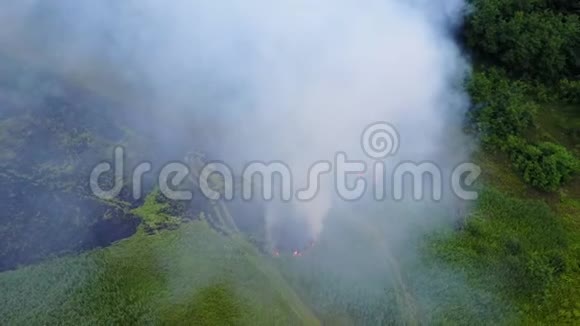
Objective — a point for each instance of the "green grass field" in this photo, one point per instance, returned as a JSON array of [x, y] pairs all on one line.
[[519, 243], [187, 276]]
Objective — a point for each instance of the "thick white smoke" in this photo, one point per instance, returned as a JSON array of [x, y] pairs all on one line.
[[294, 81]]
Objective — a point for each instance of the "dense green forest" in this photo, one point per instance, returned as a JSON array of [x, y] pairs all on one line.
[[514, 259]]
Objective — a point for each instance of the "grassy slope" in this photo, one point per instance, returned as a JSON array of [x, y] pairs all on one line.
[[188, 275], [523, 244]]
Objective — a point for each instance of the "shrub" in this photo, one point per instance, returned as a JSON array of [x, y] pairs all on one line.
[[569, 90], [502, 108], [528, 274], [545, 166]]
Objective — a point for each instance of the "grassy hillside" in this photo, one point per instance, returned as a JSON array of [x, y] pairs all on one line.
[[172, 277]]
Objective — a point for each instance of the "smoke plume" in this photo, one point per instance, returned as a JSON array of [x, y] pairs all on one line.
[[294, 81]]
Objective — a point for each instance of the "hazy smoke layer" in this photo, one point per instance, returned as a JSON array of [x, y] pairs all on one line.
[[294, 81]]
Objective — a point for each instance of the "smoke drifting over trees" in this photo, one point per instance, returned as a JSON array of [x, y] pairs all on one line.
[[295, 82]]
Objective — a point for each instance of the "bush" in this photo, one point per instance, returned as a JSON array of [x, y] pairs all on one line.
[[569, 90], [154, 213], [545, 166], [528, 274], [502, 108]]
